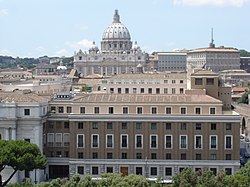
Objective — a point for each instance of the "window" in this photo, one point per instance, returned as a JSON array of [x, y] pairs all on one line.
[[66, 139], [173, 90], [153, 171], [213, 142], [58, 139], [119, 90], [138, 141], [80, 125], [165, 90], [168, 156], [134, 90], [213, 157], [69, 109], [60, 109], [153, 126], [168, 126], [183, 126], [228, 126], [109, 155], [197, 110], [125, 110], [126, 90], [138, 125], [124, 141], [153, 141], [111, 110], [228, 142], [124, 155], [183, 156], [138, 155], [142, 90], [198, 81], [26, 112], [94, 125], [198, 156], [212, 110], [80, 140], [95, 170], [173, 81], [213, 126], [80, 155], [66, 125], [214, 170], [181, 90], [198, 142], [168, 141], [82, 110], [154, 110], [198, 126], [210, 81], [124, 126], [139, 110], [157, 90], [95, 141], [138, 170], [228, 157], [109, 125], [181, 81], [183, 141], [168, 171], [168, 110], [96, 110], [109, 170], [149, 90], [228, 171], [183, 110], [95, 155], [50, 140], [80, 170], [153, 156], [165, 81], [109, 141]]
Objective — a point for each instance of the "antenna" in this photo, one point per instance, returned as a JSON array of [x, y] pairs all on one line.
[[212, 45]]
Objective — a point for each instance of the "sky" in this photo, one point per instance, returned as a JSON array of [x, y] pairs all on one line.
[[34, 28]]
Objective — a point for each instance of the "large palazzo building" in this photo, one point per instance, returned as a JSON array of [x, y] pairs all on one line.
[[117, 54]]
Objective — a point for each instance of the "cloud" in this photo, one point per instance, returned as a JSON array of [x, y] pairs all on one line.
[[5, 52], [63, 52], [82, 44], [236, 3], [3, 12]]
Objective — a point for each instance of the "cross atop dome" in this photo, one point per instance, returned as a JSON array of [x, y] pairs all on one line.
[[116, 18]]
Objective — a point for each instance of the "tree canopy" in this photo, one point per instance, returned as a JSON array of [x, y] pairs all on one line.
[[244, 98], [20, 155], [244, 53]]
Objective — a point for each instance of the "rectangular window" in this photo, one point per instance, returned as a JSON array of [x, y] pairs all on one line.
[[95, 170], [183, 126], [157, 90], [124, 126], [138, 155], [58, 139], [80, 140], [228, 171], [125, 110], [124, 155], [139, 110], [214, 170], [153, 141], [213, 142], [173, 90], [94, 125], [168, 110], [210, 81], [198, 142], [80, 155], [142, 90], [228, 142], [197, 111], [198, 81], [66, 139], [153, 126], [168, 126], [109, 155], [109, 170], [165, 81], [154, 110], [139, 141], [50, 140], [96, 110], [95, 141], [111, 110], [138, 170], [69, 109], [153, 156], [165, 90], [183, 110], [213, 126], [153, 171], [26, 112], [66, 125], [80, 170], [109, 141], [124, 141], [183, 142], [173, 81], [181, 90], [95, 155], [228, 157], [109, 125], [126, 90], [198, 156], [213, 157], [134, 90], [138, 125], [119, 90], [168, 141], [168, 171], [168, 156], [82, 110], [212, 110], [80, 125], [228, 126], [198, 126], [149, 90], [183, 156], [60, 109]]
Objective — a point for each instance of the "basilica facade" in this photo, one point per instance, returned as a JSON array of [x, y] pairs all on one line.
[[117, 54]]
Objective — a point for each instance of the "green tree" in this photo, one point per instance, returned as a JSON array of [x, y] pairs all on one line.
[[244, 98], [187, 178], [20, 155], [244, 53]]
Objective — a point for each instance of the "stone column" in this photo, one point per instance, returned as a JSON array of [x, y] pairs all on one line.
[[7, 134], [13, 134]]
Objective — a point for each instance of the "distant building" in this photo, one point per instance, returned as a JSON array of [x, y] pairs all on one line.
[[117, 55], [237, 77], [245, 64], [22, 117]]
